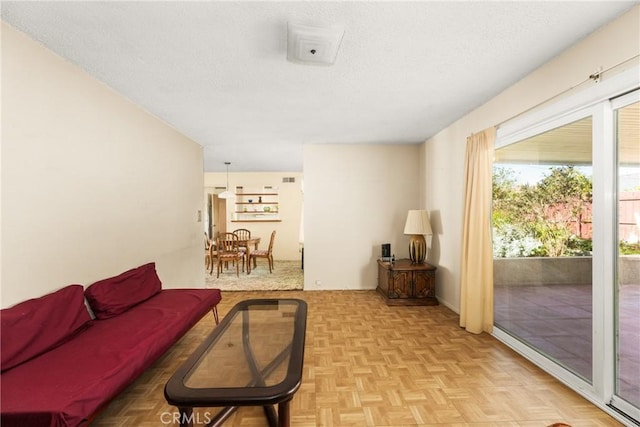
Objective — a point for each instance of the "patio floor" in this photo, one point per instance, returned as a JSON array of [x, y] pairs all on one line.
[[556, 319]]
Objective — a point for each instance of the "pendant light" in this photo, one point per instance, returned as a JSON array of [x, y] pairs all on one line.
[[226, 194]]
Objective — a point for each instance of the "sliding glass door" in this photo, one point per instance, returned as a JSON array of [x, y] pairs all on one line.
[[543, 243], [566, 237], [627, 295]]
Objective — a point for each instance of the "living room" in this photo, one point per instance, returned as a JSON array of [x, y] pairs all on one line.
[[93, 184]]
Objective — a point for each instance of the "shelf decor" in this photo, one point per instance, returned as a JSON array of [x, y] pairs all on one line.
[[256, 205]]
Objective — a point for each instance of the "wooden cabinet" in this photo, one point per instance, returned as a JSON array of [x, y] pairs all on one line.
[[404, 283]]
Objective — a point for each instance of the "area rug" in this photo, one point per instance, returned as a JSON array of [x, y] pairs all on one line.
[[286, 276]]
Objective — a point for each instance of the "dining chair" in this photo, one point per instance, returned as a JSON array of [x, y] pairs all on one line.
[[227, 248], [207, 251], [268, 253], [243, 235], [213, 256]]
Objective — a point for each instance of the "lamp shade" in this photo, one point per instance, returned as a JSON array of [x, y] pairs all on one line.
[[226, 194], [417, 223]]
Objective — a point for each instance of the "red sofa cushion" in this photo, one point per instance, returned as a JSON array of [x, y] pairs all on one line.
[[34, 326], [115, 295], [68, 384]]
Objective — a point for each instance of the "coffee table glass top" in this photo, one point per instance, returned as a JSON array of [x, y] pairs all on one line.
[[253, 356]]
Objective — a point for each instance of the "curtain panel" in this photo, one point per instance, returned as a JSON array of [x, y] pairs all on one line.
[[476, 287]]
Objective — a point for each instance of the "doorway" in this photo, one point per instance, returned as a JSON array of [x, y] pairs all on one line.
[[216, 214]]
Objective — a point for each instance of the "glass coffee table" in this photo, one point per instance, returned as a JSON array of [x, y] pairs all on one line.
[[252, 358]]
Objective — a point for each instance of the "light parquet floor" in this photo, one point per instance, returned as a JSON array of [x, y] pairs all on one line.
[[367, 364]]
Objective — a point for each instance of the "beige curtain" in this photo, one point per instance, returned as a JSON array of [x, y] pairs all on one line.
[[476, 289]]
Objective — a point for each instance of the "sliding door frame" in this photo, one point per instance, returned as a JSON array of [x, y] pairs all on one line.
[[595, 101], [610, 387]]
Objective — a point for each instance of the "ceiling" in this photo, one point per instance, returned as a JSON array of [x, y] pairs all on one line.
[[571, 143], [217, 71]]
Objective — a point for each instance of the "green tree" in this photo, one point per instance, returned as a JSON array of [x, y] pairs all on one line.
[[558, 204], [546, 211], [505, 191], [511, 239]]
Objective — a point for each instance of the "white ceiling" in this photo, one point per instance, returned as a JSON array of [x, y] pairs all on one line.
[[217, 70]]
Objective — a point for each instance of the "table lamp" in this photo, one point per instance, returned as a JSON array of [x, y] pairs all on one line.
[[417, 226]]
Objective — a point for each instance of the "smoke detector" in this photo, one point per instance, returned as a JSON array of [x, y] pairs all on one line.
[[313, 45]]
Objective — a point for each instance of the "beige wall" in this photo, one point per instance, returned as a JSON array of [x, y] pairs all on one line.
[[444, 153], [286, 246], [356, 198], [91, 184]]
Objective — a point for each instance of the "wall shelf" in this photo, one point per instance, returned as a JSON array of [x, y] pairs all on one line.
[[256, 220], [256, 205]]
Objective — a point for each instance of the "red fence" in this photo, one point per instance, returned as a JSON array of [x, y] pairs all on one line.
[[628, 214]]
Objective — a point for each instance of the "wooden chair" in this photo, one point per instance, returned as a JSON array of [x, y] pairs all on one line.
[[233, 236], [227, 248], [213, 257], [207, 252], [243, 234], [268, 254]]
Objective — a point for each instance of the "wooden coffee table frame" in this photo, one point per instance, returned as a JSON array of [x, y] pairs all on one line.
[[255, 393]]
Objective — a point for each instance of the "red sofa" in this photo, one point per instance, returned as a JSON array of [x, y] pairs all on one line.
[[60, 365]]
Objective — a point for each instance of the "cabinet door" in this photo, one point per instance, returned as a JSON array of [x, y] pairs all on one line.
[[424, 284], [401, 287], [383, 280]]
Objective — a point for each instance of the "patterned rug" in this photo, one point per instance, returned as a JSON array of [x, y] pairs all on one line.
[[286, 276]]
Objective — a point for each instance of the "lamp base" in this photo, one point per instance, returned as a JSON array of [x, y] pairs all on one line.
[[417, 248]]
